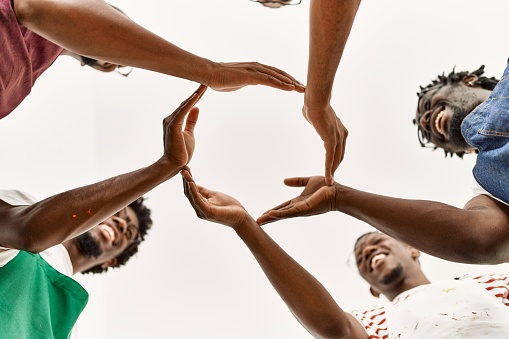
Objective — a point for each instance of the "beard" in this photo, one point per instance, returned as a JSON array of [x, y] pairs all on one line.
[[393, 276], [456, 139], [88, 246]]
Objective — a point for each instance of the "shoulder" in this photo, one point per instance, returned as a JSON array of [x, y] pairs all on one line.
[[6, 255], [17, 198], [373, 320], [496, 284], [58, 258]]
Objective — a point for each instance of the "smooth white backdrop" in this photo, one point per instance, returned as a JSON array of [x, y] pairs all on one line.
[[194, 279]]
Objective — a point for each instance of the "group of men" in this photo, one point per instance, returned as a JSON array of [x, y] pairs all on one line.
[[95, 227]]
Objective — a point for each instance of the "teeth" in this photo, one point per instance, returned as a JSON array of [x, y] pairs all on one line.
[[376, 259], [109, 231], [437, 122]]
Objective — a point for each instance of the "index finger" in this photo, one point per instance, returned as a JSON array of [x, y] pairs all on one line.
[[187, 104], [329, 162]]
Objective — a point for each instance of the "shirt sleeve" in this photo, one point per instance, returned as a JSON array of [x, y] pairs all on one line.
[[6, 255], [17, 198], [497, 284], [373, 321], [58, 257]]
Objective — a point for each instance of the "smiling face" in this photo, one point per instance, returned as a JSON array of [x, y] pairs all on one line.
[[385, 263], [103, 243], [441, 110]]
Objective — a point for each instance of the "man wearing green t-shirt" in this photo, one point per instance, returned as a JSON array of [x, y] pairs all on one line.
[[90, 224]]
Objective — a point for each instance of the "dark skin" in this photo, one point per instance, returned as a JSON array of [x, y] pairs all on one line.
[[94, 29], [478, 233], [112, 243], [434, 110], [395, 255], [306, 297], [63, 216]]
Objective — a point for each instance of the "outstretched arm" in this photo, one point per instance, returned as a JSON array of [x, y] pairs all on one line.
[[476, 234], [330, 25], [307, 299], [50, 222], [93, 28]]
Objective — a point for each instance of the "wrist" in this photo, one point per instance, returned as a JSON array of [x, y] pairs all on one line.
[[168, 167], [319, 100], [340, 194], [211, 68], [246, 227]]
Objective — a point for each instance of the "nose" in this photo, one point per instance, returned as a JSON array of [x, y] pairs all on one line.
[[367, 250], [121, 224], [425, 120]]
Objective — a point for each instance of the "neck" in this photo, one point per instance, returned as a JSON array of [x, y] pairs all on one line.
[[411, 281], [80, 263]]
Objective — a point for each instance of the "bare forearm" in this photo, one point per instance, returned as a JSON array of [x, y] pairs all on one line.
[[476, 235], [308, 300], [94, 29], [330, 25], [68, 214]]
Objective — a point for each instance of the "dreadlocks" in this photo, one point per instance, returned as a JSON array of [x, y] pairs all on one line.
[[454, 78]]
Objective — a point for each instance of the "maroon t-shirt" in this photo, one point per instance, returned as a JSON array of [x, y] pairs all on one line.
[[24, 56]]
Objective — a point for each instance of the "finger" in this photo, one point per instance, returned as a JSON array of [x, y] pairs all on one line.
[[191, 120], [186, 105], [201, 90], [338, 158], [329, 160], [190, 197], [186, 179], [205, 192], [264, 219], [270, 78], [275, 215], [186, 174], [284, 214], [283, 76], [199, 203], [297, 182]]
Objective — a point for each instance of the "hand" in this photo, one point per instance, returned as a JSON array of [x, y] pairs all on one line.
[[178, 144], [213, 206], [333, 133], [317, 198], [232, 76]]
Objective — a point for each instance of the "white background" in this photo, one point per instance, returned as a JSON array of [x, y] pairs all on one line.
[[194, 279]]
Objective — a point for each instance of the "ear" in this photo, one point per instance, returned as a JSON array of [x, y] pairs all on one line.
[[470, 80], [374, 292], [74, 55], [414, 253], [109, 263]]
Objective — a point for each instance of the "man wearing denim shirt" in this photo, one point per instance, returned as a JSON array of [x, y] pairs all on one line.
[[461, 113]]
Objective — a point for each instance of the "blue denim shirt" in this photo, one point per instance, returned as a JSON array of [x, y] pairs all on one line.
[[487, 129]]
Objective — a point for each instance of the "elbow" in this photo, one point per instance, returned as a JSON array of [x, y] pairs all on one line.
[[332, 329], [28, 11], [485, 249], [30, 237], [30, 243]]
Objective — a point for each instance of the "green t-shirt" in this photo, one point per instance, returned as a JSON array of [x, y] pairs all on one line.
[[37, 301]]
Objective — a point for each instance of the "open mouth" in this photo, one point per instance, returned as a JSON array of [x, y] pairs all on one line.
[[376, 260], [107, 232], [440, 123]]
